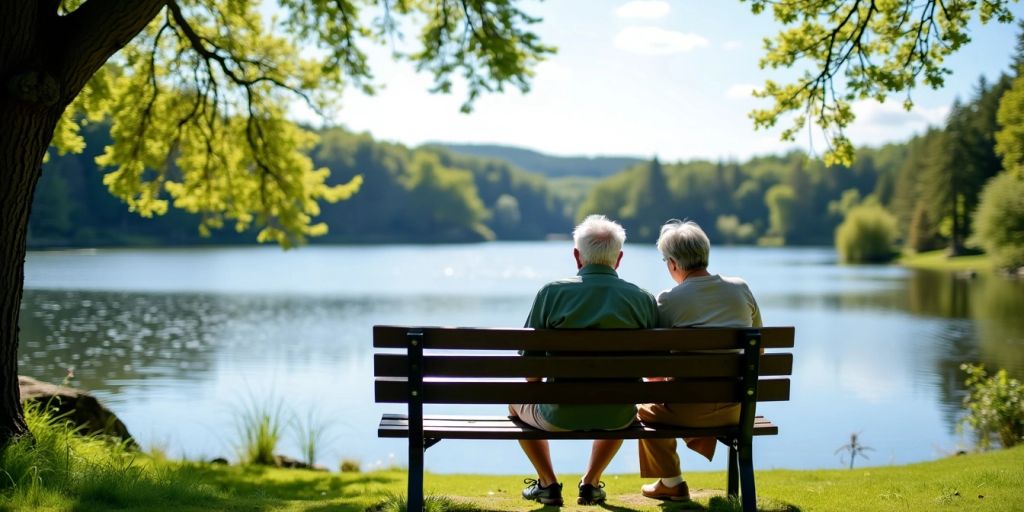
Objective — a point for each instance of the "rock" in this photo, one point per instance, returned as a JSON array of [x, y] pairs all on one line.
[[76, 406], [219, 461], [284, 461]]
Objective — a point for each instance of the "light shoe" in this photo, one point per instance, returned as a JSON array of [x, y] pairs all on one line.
[[660, 491]]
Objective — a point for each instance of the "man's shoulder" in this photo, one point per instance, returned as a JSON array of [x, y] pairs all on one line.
[[576, 284], [562, 283], [559, 285], [636, 290]]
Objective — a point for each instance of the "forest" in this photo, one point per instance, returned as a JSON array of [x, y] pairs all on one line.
[[929, 185]]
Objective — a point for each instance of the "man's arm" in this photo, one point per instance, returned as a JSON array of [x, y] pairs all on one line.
[[536, 320], [755, 314]]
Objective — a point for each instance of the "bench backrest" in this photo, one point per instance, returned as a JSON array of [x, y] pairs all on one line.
[[483, 366]]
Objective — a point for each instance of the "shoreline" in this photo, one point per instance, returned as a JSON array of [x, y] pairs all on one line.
[[937, 260]]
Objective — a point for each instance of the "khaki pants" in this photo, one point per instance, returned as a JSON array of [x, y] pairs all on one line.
[[658, 457]]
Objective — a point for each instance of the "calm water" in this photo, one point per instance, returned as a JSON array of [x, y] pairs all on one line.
[[177, 341]]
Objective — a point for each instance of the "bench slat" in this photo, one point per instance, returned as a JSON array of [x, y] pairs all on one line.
[[497, 427], [441, 419], [581, 340], [675, 365], [395, 390]]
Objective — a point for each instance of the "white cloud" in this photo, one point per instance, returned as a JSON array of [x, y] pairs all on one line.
[[878, 123], [551, 71], [741, 91], [732, 45], [892, 113], [658, 41], [643, 9]]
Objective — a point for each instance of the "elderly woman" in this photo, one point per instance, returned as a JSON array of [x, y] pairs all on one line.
[[700, 299]]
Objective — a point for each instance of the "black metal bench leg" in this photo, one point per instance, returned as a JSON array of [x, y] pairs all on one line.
[[746, 461], [415, 474], [416, 442], [734, 470]]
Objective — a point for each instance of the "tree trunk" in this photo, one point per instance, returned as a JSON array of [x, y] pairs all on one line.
[[25, 133], [45, 61], [26, 127]]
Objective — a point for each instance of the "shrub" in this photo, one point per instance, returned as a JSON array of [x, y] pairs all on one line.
[[999, 221], [995, 406], [867, 235], [350, 466]]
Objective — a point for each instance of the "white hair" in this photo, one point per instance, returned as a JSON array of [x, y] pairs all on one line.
[[599, 240], [684, 243]]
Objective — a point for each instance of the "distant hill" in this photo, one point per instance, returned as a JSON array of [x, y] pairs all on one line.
[[552, 166]]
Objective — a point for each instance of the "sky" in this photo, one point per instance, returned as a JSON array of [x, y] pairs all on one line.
[[646, 78]]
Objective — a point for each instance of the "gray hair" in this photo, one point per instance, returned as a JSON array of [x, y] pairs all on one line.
[[599, 240], [685, 243]]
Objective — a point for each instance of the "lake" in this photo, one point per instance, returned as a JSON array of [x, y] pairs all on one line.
[[178, 341]]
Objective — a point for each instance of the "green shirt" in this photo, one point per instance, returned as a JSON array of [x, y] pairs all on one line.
[[595, 299]]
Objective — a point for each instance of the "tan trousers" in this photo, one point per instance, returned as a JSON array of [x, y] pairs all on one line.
[[658, 457]]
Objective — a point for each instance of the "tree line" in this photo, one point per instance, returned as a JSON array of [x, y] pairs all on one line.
[[406, 195], [434, 194]]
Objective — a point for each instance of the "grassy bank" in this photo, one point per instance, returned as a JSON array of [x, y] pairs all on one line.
[[90, 477], [937, 260]]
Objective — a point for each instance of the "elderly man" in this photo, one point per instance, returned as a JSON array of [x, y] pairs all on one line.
[[595, 299], [700, 299]]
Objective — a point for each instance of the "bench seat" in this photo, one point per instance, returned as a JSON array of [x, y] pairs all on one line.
[[504, 427]]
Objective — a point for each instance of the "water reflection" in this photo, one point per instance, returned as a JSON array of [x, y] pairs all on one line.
[[110, 338], [993, 307]]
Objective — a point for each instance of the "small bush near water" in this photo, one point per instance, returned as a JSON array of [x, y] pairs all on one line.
[[999, 220], [995, 406], [350, 466], [867, 235]]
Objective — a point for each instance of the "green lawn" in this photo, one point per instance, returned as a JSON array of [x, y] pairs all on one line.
[[937, 260], [60, 471], [988, 481]]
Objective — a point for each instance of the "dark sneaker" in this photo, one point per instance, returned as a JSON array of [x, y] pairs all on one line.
[[550, 495], [591, 494]]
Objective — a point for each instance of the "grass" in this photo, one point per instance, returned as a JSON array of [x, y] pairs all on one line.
[[937, 260], [954, 483], [260, 426], [63, 472], [310, 432]]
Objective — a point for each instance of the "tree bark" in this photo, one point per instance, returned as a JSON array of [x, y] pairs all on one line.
[[25, 133], [24, 137], [45, 61]]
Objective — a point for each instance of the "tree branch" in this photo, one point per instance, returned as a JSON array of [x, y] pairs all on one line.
[[93, 33]]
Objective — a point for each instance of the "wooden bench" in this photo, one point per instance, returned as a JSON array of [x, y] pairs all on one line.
[[483, 366]]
